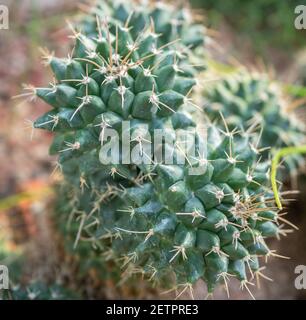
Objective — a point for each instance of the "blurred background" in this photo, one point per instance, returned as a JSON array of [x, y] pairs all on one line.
[[257, 33]]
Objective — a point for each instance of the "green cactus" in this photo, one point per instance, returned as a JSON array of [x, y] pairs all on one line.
[[206, 217], [250, 99], [90, 266], [167, 22], [206, 226], [39, 291], [15, 261]]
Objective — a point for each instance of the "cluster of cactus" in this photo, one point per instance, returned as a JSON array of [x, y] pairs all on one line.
[[152, 217], [248, 100]]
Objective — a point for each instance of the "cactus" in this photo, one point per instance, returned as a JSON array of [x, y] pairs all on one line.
[[167, 22], [250, 99], [39, 291], [89, 265], [152, 217], [208, 226], [19, 289]]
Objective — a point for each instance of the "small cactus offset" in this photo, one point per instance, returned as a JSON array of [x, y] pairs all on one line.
[[39, 291], [205, 216], [251, 99]]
